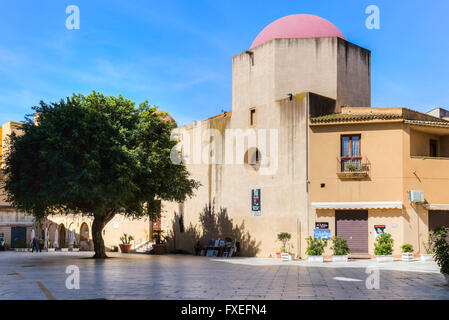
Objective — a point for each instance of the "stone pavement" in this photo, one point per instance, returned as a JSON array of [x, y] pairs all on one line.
[[25, 275]]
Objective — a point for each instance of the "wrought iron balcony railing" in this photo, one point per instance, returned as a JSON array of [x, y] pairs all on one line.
[[353, 167]]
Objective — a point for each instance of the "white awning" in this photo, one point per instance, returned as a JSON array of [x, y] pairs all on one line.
[[16, 224], [358, 205], [437, 206]]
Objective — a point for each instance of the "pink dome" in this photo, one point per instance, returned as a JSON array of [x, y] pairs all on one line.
[[297, 26], [165, 116]]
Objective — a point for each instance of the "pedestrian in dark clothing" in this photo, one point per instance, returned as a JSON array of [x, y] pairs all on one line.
[[35, 244], [41, 245]]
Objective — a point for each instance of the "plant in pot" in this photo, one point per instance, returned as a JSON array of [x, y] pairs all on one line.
[[126, 245], [315, 249], [341, 249], [159, 247], [383, 248], [441, 242], [283, 237], [21, 246], [428, 248], [407, 252], [76, 247], [50, 247]]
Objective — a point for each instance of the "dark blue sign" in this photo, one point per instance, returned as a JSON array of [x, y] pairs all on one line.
[[322, 234]]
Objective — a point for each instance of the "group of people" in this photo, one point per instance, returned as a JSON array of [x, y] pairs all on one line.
[[37, 244]]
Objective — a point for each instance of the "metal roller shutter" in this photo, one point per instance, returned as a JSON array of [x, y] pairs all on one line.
[[353, 226], [438, 218]]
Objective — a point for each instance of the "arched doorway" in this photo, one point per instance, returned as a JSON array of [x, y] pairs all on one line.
[[62, 236], [84, 232]]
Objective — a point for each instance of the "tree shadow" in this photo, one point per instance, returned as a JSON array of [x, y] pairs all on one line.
[[213, 225]]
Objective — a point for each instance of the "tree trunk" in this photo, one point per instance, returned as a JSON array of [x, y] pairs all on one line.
[[97, 235]]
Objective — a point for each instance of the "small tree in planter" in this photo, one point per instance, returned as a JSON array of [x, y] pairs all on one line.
[[428, 248], [341, 249], [283, 237], [407, 252], [160, 247], [315, 249], [126, 245], [442, 250], [383, 248]]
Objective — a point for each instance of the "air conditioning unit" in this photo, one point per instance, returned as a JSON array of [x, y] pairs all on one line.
[[416, 196]]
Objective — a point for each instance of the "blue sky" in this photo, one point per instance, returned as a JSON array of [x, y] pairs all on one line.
[[178, 54]]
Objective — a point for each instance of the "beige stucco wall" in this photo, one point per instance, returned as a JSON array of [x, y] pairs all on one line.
[[229, 185], [385, 177], [390, 148], [331, 67]]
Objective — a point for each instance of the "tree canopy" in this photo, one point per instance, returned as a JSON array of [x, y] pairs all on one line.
[[94, 155]]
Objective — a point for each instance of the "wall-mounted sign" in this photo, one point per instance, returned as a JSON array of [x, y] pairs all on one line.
[[378, 230], [321, 225], [255, 203], [322, 234]]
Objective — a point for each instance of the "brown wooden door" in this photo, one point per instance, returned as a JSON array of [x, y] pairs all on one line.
[[438, 218], [353, 226]]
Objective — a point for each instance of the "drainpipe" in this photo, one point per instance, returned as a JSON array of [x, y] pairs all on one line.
[[307, 163]]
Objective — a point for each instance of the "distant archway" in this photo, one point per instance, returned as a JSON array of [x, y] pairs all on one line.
[[84, 232], [62, 236]]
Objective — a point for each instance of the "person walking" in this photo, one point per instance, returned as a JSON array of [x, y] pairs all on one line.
[[34, 245], [41, 244]]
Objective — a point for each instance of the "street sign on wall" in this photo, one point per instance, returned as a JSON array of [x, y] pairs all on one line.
[[378, 230], [321, 225], [255, 203], [322, 234]]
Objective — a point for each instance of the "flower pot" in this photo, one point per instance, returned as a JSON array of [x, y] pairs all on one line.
[[343, 258], [51, 249], [278, 255], [64, 249], [386, 258], [408, 256], [317, 259], [159, 248], [125, 247], [75, 249], [426, 257]]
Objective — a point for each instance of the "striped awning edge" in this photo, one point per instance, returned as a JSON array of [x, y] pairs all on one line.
[[358, 205], [436, 206]]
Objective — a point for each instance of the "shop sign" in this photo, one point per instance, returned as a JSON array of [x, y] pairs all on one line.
[[255, 203], [322, 234], [378, 230], [321, 225]]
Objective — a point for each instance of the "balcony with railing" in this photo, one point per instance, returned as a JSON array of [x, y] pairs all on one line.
[[353, 167]]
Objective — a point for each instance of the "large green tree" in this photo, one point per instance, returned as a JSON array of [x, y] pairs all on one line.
[[94, 155]]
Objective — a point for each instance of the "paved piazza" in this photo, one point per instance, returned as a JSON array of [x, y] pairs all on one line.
[[25, 275]]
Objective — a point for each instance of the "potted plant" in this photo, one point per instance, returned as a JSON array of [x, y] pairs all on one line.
[[315, 249], [125, 246], [50, 247], [383, 248], [159, 247], [21, 246], [442, 250], [407, 252], [341, 249], [283, 237], [76, 247], [428, 248]]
